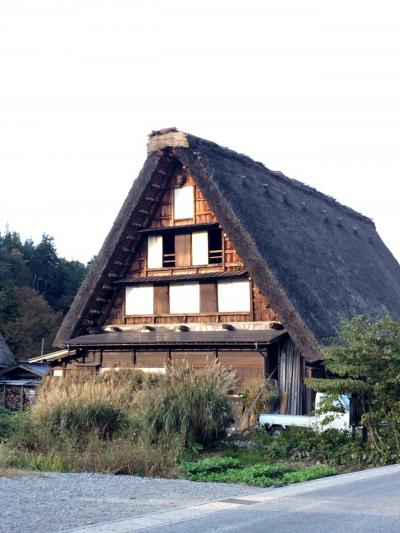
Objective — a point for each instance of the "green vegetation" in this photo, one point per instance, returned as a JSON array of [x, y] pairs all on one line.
[[233, 470], [366, 360], [192, 404], [128, 422], [6, 423], [123, 421], [36, 290]]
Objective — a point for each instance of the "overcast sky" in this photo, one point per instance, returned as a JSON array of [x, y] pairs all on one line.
[[310, 88]]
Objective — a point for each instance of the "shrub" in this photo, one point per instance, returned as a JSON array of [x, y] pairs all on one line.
[[79, 419], [130, 456], [338, 448], [122, 455], [257, 397], [6, 422], [365, 360], [191, 403], [27, 434]]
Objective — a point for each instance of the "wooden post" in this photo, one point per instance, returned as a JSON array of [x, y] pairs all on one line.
[[21, 407], [284, 403], [308, 372]]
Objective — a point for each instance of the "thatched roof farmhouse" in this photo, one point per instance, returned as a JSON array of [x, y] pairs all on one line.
[[309, 260]]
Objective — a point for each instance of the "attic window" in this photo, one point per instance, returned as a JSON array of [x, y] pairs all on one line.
[[184, 203]]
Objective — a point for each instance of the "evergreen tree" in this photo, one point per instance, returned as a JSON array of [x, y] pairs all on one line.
[[36, 289]]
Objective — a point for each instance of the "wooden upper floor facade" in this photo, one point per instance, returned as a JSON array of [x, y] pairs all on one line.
[[186, 269]]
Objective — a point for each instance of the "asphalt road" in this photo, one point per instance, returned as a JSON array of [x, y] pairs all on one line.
[[346, 504]]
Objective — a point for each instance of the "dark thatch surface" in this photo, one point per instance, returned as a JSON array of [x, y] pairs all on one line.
[[6, 356], [316, 260]]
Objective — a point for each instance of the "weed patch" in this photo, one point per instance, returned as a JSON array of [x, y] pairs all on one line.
[[232, 470]]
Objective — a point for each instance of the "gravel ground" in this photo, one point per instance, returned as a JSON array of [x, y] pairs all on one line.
[[59, 502]]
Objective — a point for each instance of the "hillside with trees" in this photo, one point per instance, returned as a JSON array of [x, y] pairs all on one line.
[[36, 289]]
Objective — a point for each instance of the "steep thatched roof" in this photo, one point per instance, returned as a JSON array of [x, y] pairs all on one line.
[[316, 260], [6, 356]]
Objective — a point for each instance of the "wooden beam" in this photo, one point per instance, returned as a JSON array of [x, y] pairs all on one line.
[[22, 399]]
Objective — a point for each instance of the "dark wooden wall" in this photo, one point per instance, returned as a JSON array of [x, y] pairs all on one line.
[[247, 364], [230, 261]]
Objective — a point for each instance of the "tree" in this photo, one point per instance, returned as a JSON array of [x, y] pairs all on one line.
[[25, 319], [364, 361], [44, 264], [36, 289], [13, 265], [71, 275]]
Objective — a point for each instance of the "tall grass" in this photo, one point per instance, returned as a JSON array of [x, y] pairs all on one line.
[[122, 421], [191, 403], [116, 387]]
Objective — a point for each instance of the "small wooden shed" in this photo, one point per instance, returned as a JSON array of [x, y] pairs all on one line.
[[18, 384]]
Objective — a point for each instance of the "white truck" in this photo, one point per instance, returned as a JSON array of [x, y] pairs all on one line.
[[337, 419]]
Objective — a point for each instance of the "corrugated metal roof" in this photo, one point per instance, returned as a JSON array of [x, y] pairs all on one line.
[[180, 338], [59, 354], [185, 277], [20, 382], [36, 369]]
